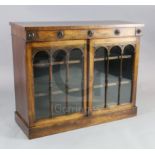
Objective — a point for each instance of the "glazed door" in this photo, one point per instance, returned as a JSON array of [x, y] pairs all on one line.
[[111, 63], [59, 78]]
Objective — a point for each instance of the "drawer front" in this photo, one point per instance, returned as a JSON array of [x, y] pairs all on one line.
[[80, 34]]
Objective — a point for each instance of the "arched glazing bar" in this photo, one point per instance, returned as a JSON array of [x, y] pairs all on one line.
[[100, 78], [114, 75], [127, 73], [41, 67]]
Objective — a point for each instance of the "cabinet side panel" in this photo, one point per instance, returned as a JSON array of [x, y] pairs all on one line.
[[135, 71], [20, 77]]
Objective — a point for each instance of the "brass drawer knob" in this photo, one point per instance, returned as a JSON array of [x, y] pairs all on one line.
[[90, 33], [31, 36], [117, 32], [60, 34]]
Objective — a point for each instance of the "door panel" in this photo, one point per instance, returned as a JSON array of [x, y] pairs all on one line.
[[59, 72], [111, 80]]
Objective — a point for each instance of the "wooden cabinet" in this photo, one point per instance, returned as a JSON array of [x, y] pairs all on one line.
[[74, 74]]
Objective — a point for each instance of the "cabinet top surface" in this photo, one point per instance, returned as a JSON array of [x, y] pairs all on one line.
[[74, 24]]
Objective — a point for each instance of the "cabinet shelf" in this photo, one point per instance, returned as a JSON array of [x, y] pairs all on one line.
[[57, 92], [78, 89], [77, 61], [113, 58], [55, 63], [111, 84]]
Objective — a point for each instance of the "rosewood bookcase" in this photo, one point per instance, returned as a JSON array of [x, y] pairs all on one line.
[[70, 75]]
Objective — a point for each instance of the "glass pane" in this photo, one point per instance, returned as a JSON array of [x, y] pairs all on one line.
[[113, 76], [99, 78], [58, 83], [42, 107], [41, 84], [127, 69], [75, 81], [41, 79]]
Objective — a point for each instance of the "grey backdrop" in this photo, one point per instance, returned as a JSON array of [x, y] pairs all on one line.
[[136, 132]]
